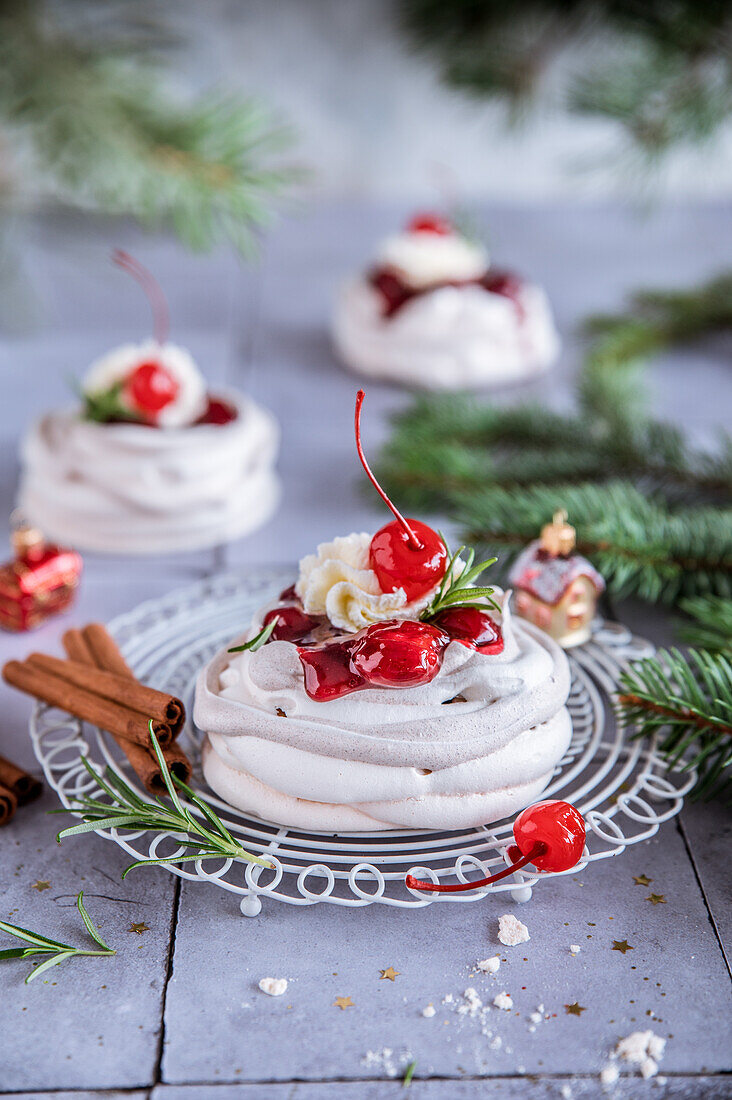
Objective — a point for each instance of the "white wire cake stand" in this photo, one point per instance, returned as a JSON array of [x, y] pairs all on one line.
[[621, 786]]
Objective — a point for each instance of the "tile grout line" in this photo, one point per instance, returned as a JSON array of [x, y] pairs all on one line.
[[157, 1072], [705, 899]]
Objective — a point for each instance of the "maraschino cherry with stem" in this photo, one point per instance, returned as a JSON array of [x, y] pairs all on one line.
[[150, 386], [550, 835], [405, 553]]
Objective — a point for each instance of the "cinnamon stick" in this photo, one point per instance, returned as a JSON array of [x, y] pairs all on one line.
[[8, 805], [145, 764], [23, 785], [95, 646], [104, 650], [77, 648], [120, 689], [118, 720]]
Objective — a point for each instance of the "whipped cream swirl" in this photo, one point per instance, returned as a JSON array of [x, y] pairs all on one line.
[[129, 488], [338, 581], [423, 258]]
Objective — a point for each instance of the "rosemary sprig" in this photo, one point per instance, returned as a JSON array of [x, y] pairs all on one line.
[[105, 406], [55, 951], [126, 810], [258, 640], [458, 588], [409, 1074]]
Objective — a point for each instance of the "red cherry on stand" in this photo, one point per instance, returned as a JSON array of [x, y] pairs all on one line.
[[550, 834], [430, 223], [405, 553]]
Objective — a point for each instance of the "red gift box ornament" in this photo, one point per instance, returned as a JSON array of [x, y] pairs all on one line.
[[40, 581]]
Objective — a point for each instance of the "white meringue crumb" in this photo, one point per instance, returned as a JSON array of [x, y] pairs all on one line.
[[643, 1049], [574, 948], [273, 987], [566, 1092], [536, 1017], [497, 1043], [609, 1074], [511, 931], [489, 966], [504, 1001], [429, 1011]]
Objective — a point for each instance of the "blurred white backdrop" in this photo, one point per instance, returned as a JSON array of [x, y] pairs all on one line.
[[374, 120]]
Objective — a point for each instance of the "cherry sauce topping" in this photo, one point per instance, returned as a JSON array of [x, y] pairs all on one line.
[[394, 653], [395, 293], [217, 412]]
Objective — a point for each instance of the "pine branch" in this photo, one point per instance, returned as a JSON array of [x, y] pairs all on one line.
[[667, 79], [636, 543], [712, 625], [104, 133], [687, 701]]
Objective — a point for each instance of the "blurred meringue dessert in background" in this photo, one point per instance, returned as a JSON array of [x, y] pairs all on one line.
[[386, 689], [432, 312], [151, 461]]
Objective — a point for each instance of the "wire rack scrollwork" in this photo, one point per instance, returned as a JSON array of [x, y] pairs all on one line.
[[621, 786]]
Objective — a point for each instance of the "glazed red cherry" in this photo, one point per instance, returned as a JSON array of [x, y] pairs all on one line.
[[399, 654], [293, 625], [429, 223], [397, 564], [555, 824], [472, 627], [404, 553], [151, 387], [550, 834]]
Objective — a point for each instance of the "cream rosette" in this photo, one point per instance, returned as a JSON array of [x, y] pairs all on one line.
[[338, 582], [476, 744], [132, 489]]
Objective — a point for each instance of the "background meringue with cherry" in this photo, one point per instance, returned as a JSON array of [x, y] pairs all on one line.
[[152, 462], [433, 312]]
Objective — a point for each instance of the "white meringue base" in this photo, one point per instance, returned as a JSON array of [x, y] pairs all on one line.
[[373, 797], [447, 338], [130, 489]]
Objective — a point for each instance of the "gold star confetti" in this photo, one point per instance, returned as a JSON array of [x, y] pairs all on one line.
[[343, 1002], [40, 886], [642, 880], [139, 928], [621, 945], [656, 899], [390, 973], [575, 1009]]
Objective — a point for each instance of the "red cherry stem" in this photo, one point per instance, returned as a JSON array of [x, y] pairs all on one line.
[[155, 296], [417, 884], [416, 543]]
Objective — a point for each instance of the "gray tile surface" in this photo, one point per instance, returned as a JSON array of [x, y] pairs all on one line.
[[265, 328]]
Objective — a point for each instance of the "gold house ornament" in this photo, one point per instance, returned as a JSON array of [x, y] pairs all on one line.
[[557, 588]]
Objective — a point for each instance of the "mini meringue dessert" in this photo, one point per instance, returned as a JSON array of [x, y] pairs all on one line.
[[152, 462], [433, 313], [385, 689]]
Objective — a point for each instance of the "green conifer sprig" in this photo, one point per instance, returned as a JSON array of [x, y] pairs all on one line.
[[664, 74], [639, 546], [93, 117], [687, 701], [709, 625]]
